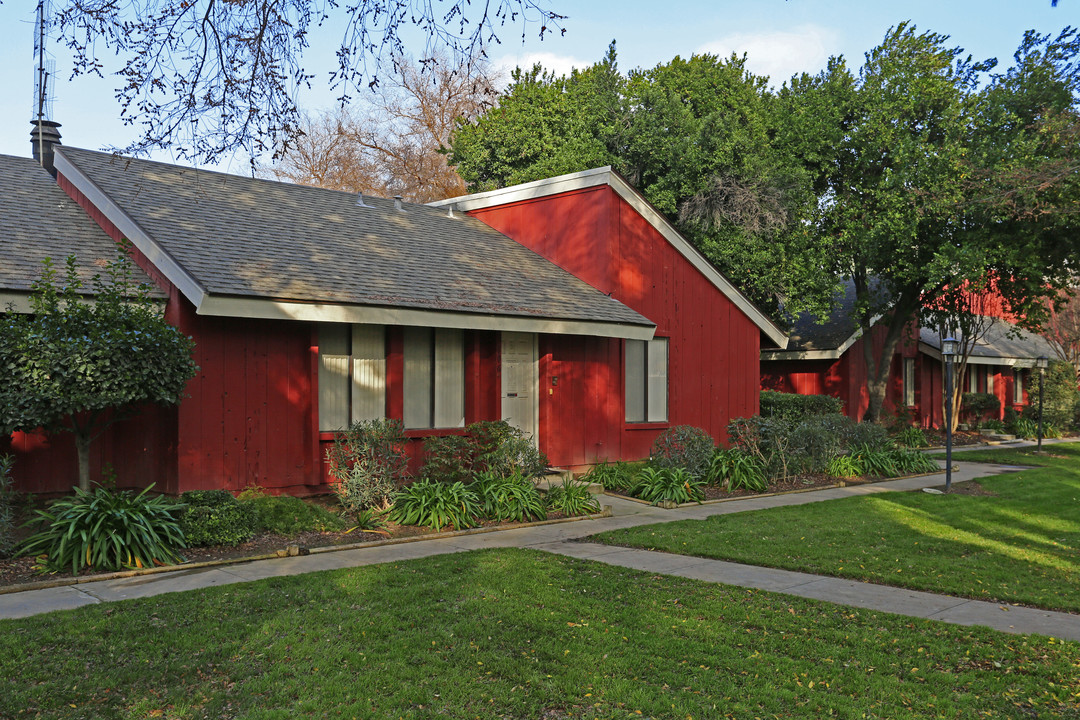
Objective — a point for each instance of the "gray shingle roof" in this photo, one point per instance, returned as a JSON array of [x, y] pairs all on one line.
[[808, 334], [245, 237], [1002, 340], [39, 220]]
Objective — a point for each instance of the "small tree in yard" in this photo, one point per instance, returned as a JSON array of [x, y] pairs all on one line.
[[80, 365]]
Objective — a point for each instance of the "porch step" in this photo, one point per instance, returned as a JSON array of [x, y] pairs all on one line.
[[998, 438], [556, 478]]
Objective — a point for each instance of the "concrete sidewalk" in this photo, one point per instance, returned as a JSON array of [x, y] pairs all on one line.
[[559, 538]]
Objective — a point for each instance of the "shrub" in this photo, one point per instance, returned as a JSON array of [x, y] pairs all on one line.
[[790, 406], [448, 459], [683, 446], [1025, 428], [106, 530], [7, 509], [367, 462], [993, 425], [436, 505], [1061, 400], [572, 499], [668, 485], [287, 515], [617, 476], [975, 407], [736, 470], [866, 435], [817, 439], [509, 497], [912, 437], [215, 517], [500, 447]]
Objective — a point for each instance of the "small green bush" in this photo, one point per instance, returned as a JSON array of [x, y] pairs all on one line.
[[1025, 428], [286, 515], [993, 425], [736, 470], [500, 447], [572, 499], [912, 437], [975, 407], [7, 507], [1061, 400], [873, 462], [436, 505], [616, 476], [107, 530], [448, 459], [844, 466], [668, 485], [683, 446], [912, 462], [215, 517], [815, 440], [790, 406], [509, 497], [867, 435], [367, 462]]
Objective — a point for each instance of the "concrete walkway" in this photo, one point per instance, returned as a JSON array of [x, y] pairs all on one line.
[[562, 539]]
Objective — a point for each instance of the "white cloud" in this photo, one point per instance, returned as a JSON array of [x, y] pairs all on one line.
[[559, 64], [780, 54]]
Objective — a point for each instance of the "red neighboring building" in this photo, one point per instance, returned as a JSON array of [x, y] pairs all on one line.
[[827, 359], [598, 328]]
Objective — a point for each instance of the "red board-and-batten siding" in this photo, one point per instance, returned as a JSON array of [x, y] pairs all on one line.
[[249, 417], [596, 235]]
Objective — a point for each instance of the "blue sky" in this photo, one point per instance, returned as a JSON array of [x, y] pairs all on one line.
[[780, 37]]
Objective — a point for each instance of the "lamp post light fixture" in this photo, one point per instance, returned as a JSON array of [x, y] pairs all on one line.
[[949, 347], [1042, 363]]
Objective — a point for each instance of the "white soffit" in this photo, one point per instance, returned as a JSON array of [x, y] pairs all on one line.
[[131, 230], [935, 353], [380, 315], [607, 176]]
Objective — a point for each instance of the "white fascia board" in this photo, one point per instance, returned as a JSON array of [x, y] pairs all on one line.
[[801, 354], [379, 315], [931, 351], [606, 176], [131, 230]]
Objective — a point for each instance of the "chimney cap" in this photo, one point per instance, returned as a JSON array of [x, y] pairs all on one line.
[[44, 138]]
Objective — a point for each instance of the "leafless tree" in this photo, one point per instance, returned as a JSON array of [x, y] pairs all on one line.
[[206, 77], [395, 143]]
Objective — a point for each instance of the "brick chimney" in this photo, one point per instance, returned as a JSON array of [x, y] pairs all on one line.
[[44, 137]]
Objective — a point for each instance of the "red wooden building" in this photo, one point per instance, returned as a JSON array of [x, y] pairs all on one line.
[[568, 306], [827, 359]]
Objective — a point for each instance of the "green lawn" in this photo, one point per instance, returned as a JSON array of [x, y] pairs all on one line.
[[1020, 545], [516, 634]]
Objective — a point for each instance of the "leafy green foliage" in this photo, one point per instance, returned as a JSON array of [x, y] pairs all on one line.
[[572, 499], [844, 466], [1061, 400], [77, 365], [498, 446], [912, 437], [1025, 428], [215, 517], [509, 497], [436, 505], [734, 469], [792, 406], [976, 406], [370, 520], [286, 515], [614, 476], [875, 463], [912, 462], [683, 446], [448, 459], [7, 509], [668, 485], [367, 462], [107, 530]]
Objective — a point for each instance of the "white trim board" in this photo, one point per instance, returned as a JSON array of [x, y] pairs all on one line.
[[379, 315], [607, 176], [935, 353]]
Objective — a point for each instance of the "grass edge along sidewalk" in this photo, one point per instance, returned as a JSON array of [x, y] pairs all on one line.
[[516, 633], [1018, 543]]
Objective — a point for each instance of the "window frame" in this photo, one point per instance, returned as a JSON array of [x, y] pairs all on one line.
[[346, 345], [651, 379]]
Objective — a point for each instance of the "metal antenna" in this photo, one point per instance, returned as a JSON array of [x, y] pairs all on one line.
[[45, 68]]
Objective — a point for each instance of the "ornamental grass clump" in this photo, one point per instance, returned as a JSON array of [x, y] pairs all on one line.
[[616, 477], [661, 486], [509, 497], [572, 499], [103, 529], [734, 469], [436, 505]]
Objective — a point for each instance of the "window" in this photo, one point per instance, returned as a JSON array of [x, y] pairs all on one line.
[[434, 378], [646, 380], [909, 382], [1018, 387], [973, 379], [990, 380], [352, 374]]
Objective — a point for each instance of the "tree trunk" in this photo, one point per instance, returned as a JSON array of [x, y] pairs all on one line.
[[82, 447]]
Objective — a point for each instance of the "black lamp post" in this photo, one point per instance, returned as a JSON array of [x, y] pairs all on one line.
[[1042, 363], [948, 351]]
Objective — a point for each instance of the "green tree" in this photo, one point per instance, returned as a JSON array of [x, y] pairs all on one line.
[[77, 364], [694, 136]]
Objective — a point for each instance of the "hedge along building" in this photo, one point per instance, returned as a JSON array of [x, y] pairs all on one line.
[[312, 309], [827, 359]]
